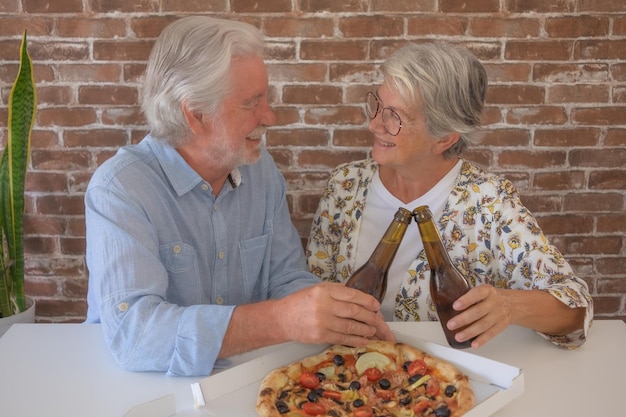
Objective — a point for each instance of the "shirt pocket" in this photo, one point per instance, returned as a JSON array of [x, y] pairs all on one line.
[[181, 262], [255, 267]]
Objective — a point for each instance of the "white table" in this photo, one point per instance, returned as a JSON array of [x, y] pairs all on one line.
[[65, 370]]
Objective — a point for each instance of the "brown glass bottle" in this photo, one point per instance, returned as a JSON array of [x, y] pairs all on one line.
[[371, 277], [447, 284]]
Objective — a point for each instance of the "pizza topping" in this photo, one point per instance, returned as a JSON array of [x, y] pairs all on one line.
[[309, 380], [371, 360], [367, 383]]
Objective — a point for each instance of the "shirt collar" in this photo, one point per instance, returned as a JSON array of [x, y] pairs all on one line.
[[179, 173]]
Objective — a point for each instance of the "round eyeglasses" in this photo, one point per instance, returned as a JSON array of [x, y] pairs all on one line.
[[391, 120]]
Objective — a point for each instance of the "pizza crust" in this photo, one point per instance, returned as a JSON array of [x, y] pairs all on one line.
[[286, 377]]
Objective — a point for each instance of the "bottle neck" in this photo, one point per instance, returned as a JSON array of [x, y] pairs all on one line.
[[433, 245], [386, 249]]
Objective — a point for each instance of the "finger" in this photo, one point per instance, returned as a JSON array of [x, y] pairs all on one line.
[[383, 332], [342, 293], [473, 296]]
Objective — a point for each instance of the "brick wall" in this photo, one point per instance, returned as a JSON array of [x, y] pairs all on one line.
[[556, 116]]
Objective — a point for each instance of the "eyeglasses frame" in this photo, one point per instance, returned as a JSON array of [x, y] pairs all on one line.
[[381, 110]]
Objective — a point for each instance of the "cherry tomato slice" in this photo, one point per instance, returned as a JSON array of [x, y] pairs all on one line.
[[385, 394], [313, 409], [418, 366], [364, 411], [309, 380], [432, 387], [373, 374], [420, 406], [335, 395]]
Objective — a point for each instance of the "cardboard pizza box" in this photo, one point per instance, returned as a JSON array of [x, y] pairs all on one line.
[[233, 392]]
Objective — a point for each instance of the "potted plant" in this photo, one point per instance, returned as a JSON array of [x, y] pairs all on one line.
[[13, 167]]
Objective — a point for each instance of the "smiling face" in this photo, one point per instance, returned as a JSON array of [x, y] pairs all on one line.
[[233, 136], [412, 146]]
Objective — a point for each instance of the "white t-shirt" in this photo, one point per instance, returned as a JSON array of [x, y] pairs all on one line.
[[380, 207]]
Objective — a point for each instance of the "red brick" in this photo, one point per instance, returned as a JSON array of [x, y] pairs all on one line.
[[605, 157], [194, 6], [370, 26], [615, 137], [102, 137], [121, 50], [333, 50], [61, 160], [66, 116], [611, 6], [560, 180], [115, 95], [296, 72], [593, 202], [305, 94], [611, 223], [403, 6], [611, 265], [532, 159], [607, 180], [448, 26], [515, 94], [150, 26], [45, 6], [255, 6], [464, 6], [317, 6], [313, 27], [525, 6], [354, 73], [326, 159], [300, 137], [596, 116], [538, 50], [600, 49], [602, 245], [565, 224], [502, 72], [76, 27], [570, 73], [508, 27], [89, 73], [50, 182], [352, 137], [578, 93], [344, 115], [567, 137], [106, 6], [577, 27], [536, 115]]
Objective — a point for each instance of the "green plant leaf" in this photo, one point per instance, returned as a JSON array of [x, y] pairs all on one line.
[[13, 167]]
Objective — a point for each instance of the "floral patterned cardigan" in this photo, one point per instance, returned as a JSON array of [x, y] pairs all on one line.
[[490, 236]]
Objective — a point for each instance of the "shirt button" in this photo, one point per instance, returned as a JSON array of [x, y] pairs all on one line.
[[177, 249], [204, 187], [220, 255], [219, 300], [122, 307]]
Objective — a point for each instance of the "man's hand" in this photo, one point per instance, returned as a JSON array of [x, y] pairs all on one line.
[[333, 313]]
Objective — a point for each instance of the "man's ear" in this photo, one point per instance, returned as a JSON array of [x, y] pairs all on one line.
[[444, 143], [194, 119]]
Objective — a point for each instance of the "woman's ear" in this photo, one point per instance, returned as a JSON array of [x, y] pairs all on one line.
[[444, 143], [194, 119]]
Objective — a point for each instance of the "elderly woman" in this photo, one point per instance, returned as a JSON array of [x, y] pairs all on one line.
[[422, 118]]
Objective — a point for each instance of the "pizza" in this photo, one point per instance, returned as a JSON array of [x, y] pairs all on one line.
[[381, 379]]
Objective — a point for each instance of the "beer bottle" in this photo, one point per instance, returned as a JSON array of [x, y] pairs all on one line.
[[371, 277], [447, 284]]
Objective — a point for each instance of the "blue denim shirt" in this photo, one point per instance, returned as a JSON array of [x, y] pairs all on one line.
[[168, 262]]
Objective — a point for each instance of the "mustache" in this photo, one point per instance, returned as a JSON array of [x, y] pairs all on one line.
[[258, 132]]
